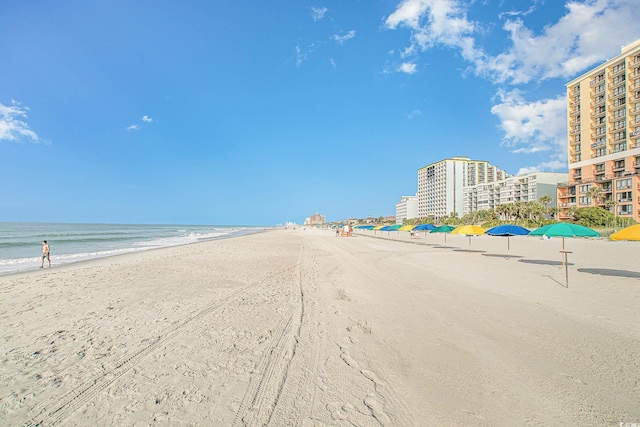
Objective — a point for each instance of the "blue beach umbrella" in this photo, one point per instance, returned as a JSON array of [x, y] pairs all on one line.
[[425, 227], [508, 230]]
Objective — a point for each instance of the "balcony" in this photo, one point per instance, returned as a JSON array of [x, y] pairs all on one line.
[[618, 167], [566, 195]]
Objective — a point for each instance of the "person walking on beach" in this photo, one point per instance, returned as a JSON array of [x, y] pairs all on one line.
[[45, 253]]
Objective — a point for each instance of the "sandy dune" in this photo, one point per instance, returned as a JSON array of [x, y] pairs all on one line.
[[301, 328]]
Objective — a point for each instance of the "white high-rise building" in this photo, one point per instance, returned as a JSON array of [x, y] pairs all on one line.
[[407, 208], [441, 184]]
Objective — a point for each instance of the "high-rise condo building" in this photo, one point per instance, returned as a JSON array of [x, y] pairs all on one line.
[[522, 188], [407, 208], [604, 137], [441, 184]]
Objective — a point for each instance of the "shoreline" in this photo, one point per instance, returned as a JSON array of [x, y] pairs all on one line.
[[130, 251]]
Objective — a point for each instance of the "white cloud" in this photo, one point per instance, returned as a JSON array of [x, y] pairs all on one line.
[[12, 127], [434, 22], [300, 56], [414, 114], [317, 13], [341, 39], [588, 33], [408, 67], [332, 62], [145, 119], [534, 127]]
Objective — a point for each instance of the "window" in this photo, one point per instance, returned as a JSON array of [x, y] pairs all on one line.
[[600, 167], [619, 101], [624, 209], [599, 99], [620, 146], [599, 142], [618, 67], [619, 90], [600, 152], [618, 164], [585, 200], [623, 184], [620, 113], [620, 124], [618, 79], [620, 135], [624, 197], [584, 189], [577, 138], [599, 88]]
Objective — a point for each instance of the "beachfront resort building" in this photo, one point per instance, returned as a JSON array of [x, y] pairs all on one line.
[[407, 208], [441, 184], [522, 188], [315, 219], [603, 115]]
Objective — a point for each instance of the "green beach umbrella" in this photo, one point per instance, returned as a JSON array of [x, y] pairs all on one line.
[[564, 229], [446, 229]]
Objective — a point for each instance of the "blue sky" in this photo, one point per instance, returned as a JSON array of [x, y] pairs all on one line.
[[256, 112]]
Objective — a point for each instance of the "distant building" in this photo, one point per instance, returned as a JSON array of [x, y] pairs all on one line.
[[603, 126], [315, 219], [407, 208], [441, 184], [523, 188]]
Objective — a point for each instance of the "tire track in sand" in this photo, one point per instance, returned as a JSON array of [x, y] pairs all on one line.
[[50, 413], [264, 392]]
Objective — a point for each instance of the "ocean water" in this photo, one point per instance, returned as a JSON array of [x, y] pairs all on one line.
[[21, 243]]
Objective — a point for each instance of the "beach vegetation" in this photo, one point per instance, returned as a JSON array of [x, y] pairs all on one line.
[[593, 216]]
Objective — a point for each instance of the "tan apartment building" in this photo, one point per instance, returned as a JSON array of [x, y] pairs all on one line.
[[604, 137]]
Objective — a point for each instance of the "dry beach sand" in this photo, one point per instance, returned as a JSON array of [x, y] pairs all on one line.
[[302, 328]]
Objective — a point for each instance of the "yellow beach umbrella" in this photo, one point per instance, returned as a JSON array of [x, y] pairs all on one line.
[[469, 230], [407, 228], [378, 227], [629, 233]]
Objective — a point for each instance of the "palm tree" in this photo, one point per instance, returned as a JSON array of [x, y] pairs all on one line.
[[545, 200], [596, 194]]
